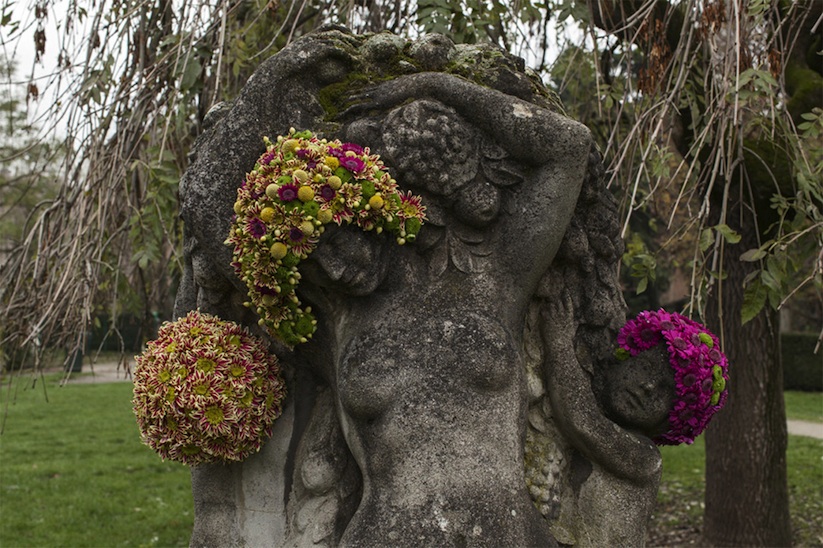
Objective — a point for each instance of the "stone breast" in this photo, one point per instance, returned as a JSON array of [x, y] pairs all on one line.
[[416, 361]]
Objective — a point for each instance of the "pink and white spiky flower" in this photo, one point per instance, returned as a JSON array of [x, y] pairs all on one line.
[[206, 391]]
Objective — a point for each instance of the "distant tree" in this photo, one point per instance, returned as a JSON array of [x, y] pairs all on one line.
[[29, 184], [27, 164]]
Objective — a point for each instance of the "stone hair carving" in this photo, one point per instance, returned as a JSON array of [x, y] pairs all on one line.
[[446, 398]]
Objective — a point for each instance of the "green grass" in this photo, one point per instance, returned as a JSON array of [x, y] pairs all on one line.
[[679, 512], [804, 406], [74, 473]]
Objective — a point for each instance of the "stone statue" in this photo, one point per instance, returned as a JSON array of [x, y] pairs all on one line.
[[449, 396]]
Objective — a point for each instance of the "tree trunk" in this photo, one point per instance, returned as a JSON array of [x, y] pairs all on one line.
[[747, 500]]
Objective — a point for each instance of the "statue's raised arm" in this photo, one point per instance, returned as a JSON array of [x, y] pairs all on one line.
[[530, 133]]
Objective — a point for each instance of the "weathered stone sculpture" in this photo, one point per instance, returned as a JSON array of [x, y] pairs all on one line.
[[446, 398]]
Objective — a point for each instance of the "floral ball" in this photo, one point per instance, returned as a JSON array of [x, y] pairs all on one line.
[[206, 391], [298, 187], [701, 370]]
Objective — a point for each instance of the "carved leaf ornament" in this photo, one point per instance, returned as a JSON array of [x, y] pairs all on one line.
[[464, 243], [298, 186]]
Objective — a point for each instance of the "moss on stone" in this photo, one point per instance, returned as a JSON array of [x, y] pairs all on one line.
[[384, 56]]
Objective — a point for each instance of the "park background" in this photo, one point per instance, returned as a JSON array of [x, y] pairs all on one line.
[[708, 114]]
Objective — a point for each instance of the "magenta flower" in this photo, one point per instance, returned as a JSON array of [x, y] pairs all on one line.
[[700, 369], [355, 165], [340, 152], [353, 147]]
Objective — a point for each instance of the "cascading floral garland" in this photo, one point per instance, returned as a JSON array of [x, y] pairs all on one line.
[[700, 369], [206, 391], [297, 187]]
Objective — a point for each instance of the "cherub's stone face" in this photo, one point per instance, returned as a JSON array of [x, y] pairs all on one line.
[[639, 392], [347, 260]]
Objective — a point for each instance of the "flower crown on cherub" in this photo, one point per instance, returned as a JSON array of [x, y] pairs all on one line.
[[700, 369], [298, 186]]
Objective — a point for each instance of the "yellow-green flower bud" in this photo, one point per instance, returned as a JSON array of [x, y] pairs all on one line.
[[271, 191], [335, 182], [332, 162], [301, 175], [305, 193], [278, 250], [267, 215], [290, 145], [307, 227], [376, 201], [238, 207]]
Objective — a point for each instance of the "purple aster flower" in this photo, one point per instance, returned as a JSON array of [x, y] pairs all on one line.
[[263, 290], [706, 386], [256, 227], [288, 192], [648, 335], [267, 158], [355, 165], [679, 343], [296, 235], [327, 193]]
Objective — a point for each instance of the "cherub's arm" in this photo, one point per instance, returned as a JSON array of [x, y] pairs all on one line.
[[574, 406], [531, 133]]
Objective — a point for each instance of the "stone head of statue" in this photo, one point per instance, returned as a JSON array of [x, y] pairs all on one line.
[[638, 393]]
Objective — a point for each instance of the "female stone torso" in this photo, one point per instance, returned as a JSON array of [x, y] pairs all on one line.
[[428, 369]]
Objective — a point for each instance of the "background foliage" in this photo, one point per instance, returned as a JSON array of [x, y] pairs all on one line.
[[680, 106]]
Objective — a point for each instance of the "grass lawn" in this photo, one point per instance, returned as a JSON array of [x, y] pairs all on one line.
[[74, 472], [804, 406], [679, 515]]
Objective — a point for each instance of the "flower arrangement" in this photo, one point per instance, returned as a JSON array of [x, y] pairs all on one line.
[[700, 369], [297, 187], [206, 390]]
